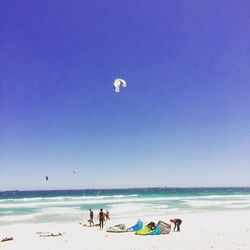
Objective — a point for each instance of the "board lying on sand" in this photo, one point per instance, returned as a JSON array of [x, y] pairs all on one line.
[[120, 228], [48, 234], [7, 239]]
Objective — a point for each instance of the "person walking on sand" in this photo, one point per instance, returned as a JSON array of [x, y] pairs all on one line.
[[91, 218], [101, 218], [177, 223]]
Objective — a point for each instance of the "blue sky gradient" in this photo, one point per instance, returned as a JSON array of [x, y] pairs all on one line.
[[183, 120]]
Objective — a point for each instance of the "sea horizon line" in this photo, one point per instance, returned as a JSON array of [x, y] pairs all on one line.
[[127, 188]]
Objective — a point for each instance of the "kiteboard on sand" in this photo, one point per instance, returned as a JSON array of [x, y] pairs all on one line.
[[49, 234], [7, 239]]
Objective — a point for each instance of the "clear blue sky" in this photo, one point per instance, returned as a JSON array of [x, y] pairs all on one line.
[[183, 120]]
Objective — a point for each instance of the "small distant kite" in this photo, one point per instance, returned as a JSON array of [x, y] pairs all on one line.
[[118, 82], [75, 172], [46, 178]]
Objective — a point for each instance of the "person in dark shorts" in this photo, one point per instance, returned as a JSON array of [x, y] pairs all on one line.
[[91, 218], [101, 218], [177, 223]]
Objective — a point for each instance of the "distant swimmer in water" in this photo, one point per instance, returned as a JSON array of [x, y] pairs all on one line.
[[177, 223]]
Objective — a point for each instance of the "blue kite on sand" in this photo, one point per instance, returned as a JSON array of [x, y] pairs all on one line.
[[121, 228]]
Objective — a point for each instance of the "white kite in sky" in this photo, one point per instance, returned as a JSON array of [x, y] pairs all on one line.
[[118, 82]]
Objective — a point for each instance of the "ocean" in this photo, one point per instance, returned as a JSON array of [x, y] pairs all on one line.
[[73, 205]]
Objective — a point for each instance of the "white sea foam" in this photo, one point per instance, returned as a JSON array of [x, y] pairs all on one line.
[[76, 202], [129, 207], [61, 210], [100, 197], [5, 212], [49, 214], [204, 203], [18, 218], [133, 211], [238, 206], [139, 210], [193, 201], [120, 206]]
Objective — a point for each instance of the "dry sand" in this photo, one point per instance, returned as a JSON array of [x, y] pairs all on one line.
[[214, 230]]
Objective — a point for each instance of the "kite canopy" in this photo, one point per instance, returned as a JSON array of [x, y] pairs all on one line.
[[121, 228], [153, 229], [139, 225], [161, 228], [118, 82]]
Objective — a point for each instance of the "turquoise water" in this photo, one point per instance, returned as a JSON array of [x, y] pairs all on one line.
[[73, 205]]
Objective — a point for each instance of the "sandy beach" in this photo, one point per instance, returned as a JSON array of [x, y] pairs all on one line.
[[225, 230]]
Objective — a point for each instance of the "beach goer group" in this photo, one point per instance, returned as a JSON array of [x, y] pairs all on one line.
[[102, 217]]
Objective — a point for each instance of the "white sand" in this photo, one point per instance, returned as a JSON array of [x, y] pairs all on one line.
[[214, 230]]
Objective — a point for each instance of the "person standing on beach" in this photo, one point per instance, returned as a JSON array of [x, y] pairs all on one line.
[[177, 223], [91, 218], [101, 218], [107, 214]]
